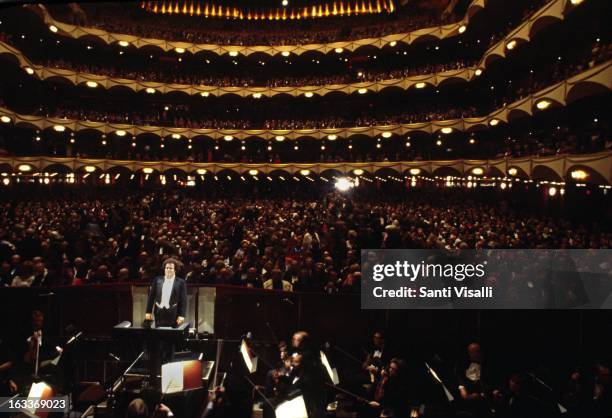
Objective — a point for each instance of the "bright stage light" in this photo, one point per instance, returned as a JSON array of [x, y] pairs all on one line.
[[343, 184]]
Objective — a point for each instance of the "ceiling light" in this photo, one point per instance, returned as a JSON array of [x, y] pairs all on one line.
[[92, 84], [147, 170], [304, 172], [510, 45], [542, 104], [446, 130], [233, 53], [257, 95], [493, 122], [392, 43], [415, 171], [478, 171], [179, 50], [420, 85], [386, 134], [176, 136], [90, 168], [253, 172], [308, 94], [124, 43], [358, 172], [120, 133], [204, 94], [150, 90], [24, 167], [478, 72], [332, 137], [512, 171], [5, 119], [53, 28], [59, 128], [579, 174], [285, 53], [462, 28], [29, 70], [280, 138], [228, 137], [362, 91], [338, 50]]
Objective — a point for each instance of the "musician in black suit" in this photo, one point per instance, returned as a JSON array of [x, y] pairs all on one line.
[[167, 297]]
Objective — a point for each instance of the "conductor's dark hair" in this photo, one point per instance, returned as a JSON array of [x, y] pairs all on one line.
[[177, 264]]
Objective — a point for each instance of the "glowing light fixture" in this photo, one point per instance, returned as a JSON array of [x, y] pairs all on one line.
[[120, 133], [462, 28], [446, 130], [176, 136], [228, 138], [552, 191], [358, 172], [392, 43], [59, 128], [332, 137], [253, 172], [420, 85], [201, 171], [543, 104], [279, 138], [92, 84], [512, 171], [478, 72], [343, 184], [415, 171], [362, 91], [579, 174], [24, 167], [494, 122], [179, 50], [285, 53], [53, 28], [90, 168], [257, 95], [478, 171], [124, 43], [29, 70], [386, 134], [338, 50], [511, 45], [304, 172], [308, 94], [5, 119], [150, 90], [233, 53]]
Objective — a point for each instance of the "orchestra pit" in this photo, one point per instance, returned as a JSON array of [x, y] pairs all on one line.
[[196, 197]]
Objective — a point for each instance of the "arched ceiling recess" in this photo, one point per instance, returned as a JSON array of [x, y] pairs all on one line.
[[598, 167], [555, 10], [78, 32], [555, 95]]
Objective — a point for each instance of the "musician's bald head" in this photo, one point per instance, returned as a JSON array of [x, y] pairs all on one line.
[[299, 339], [137, 409]]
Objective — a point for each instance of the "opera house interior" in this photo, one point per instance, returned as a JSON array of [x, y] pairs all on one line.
[[194, 195]]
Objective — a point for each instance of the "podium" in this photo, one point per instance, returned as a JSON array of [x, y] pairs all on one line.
[[153, 337]]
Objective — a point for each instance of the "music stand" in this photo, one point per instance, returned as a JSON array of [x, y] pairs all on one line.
[[152, 338]]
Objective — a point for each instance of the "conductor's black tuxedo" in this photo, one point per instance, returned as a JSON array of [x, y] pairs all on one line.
[[178, 301]]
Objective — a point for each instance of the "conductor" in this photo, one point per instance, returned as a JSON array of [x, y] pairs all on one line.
[[168, 297]]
